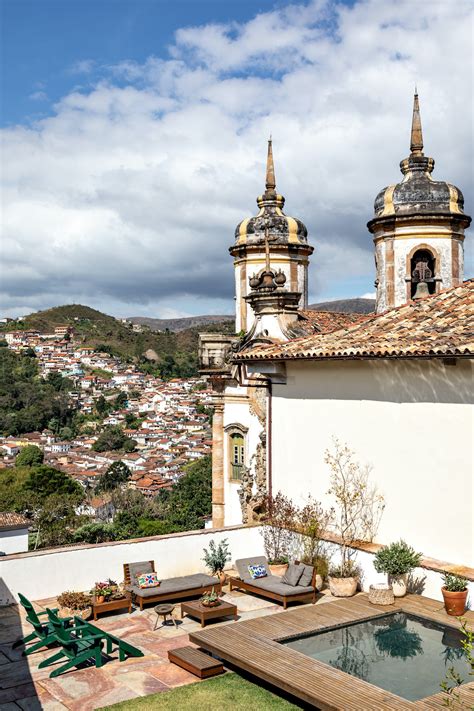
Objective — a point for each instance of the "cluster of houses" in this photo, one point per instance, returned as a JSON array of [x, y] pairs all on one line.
[[168, 427]]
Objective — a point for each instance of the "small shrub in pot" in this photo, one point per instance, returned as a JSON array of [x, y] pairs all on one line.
[[397, 560], [74, 604], [216, 558], [454, 593]]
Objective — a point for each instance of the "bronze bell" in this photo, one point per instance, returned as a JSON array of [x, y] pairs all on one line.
[[421, 290]]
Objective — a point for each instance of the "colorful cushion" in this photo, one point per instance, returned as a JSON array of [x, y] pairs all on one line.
[[257, 571], [148, 580]]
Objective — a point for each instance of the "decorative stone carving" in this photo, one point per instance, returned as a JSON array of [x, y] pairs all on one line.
[[253, 490]]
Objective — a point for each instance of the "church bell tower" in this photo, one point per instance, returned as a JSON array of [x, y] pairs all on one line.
[[273, 238], [418, 230]]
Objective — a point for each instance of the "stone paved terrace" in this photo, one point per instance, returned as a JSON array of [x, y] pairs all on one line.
[[24, 686]]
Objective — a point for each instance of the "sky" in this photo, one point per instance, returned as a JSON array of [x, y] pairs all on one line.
[[134, 139]]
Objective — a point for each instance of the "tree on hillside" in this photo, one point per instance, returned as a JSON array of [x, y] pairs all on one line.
[[43, 481], [29, 456], [94, 533], [102, 406], [118, 473], [189, 501], [112, 438], [56, 520], [120, 401]]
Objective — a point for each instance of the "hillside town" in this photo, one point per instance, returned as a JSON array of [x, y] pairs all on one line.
[[167, 421]]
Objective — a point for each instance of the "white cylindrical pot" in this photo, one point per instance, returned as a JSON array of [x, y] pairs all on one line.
[[399, 584]]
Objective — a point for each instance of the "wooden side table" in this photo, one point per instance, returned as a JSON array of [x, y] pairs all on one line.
[[164, 611], [195, 608], [109, 605]]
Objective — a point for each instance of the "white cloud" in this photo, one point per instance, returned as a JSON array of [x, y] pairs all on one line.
[[38, 96], [368, 295], [127, 197]]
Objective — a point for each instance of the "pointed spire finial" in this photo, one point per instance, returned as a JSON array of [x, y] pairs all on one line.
[[416, 142], [270, 175]]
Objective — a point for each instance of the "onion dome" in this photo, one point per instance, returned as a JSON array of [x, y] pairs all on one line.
[[418, 193], [283, 229]]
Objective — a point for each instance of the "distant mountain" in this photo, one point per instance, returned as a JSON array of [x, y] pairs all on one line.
[[179, 324], [346, 306], [176, 351]]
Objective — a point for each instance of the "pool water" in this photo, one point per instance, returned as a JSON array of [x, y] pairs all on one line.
[[399, 652]]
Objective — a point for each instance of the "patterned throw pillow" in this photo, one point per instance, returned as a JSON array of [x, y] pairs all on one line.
[[148, 580], [257, 571]]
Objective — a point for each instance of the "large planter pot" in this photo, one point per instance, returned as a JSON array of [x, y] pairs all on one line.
[[222, 578], [70, 612], [399, 584], [343, 587], [454, 602], [278, 568]]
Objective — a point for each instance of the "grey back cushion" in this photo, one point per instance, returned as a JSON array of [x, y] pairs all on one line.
[[242, 566], [139, 568], [307, 575], [293, 574]]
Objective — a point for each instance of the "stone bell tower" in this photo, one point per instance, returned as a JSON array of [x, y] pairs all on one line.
[[288, 248], [418, 230]]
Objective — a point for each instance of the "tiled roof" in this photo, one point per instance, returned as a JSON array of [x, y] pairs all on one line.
[[310, 322], [440, 325], [13, 520]]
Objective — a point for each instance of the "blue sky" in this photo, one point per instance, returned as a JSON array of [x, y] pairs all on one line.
[[134, 138], [43, 40]]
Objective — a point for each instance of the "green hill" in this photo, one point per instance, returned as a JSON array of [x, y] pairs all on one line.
[[176, 352]]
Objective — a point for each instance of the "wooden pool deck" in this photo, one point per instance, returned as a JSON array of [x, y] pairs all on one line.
[[253, 646]]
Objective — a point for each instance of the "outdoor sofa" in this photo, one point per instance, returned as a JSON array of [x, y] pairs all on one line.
[[272, 586], [170, 588]]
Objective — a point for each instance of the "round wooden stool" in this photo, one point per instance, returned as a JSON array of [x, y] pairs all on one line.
[[164, 611]]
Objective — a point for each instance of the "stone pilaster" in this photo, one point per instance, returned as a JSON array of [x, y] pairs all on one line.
[[218, 465]]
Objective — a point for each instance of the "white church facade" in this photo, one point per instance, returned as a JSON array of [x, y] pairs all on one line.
[[395, 386]]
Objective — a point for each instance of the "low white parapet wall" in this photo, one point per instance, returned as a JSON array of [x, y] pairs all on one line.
[[47, 573]]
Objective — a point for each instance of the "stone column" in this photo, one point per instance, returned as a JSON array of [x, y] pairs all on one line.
[[218, 464]]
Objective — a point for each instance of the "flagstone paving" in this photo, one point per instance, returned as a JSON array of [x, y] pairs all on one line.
[[24, 686]]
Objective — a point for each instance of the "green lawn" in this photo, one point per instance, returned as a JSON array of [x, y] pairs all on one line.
[[223, 693]]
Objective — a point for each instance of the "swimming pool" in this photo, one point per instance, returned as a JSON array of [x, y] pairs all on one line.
[[400, 652]]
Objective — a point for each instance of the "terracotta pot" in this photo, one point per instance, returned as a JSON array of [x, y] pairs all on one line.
[[399, 584], [343, 587], [211, 604], [100, 599], [222, 577], [278, 568], [454, 602]]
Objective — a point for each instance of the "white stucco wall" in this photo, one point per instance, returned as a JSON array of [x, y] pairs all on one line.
[[411, 420], [236, 411], [43, 574], [14, 541]]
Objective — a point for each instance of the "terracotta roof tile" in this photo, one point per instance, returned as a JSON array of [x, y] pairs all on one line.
[[439, 325], [9, 519]]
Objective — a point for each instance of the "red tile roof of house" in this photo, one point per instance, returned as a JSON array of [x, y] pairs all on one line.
[[439, 325], [9, 519]]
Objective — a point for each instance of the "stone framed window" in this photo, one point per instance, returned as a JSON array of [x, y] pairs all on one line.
[[422, 265], [237, 450]]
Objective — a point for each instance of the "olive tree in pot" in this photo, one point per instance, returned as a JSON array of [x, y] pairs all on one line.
[[312, 522], [454, 593], [357, 513], [397, 560], [216, 558], [279, 532]]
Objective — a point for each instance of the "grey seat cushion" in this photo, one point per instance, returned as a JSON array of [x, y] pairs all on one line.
[[274, 584], [307, 575], [293, 574], [174, 585], [242, 566]]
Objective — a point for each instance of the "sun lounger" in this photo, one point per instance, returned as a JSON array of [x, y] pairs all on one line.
[[272, 586], [170, 588], [43, 630]]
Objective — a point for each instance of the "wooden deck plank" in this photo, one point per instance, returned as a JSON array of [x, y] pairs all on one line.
[[251, 645]]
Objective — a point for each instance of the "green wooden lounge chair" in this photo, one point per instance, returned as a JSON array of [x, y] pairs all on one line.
[[78, 644], [43, 631], [124, 648]]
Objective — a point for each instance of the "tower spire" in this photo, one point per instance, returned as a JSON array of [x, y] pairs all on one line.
[[270, 175], [416, 142]]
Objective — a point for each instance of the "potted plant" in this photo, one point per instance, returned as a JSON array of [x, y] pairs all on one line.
[[454, 593], [279, 532], [397, 560], [312, 522], [102, 591], [74, 604], [357, 513], [216, 558], [210, 599]]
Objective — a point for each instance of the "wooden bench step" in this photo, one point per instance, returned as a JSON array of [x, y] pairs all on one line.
[[196, 662]]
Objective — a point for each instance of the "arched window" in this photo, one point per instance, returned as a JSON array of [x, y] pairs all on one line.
[[422, 269], [236, 435]]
